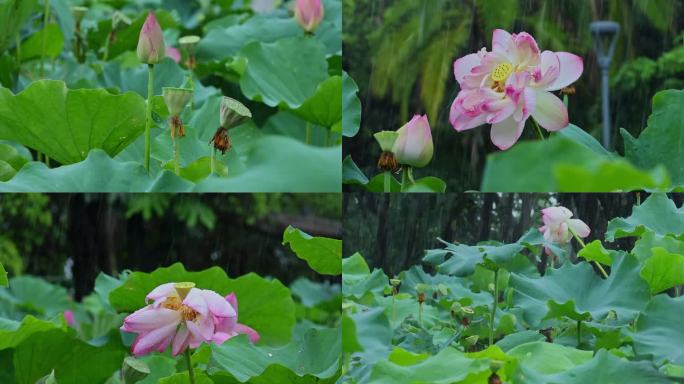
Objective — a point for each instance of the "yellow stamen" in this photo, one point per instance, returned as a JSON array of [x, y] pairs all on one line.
[[174, 303], [502, 71]]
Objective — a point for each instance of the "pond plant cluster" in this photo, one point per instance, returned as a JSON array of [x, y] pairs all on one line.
[[529, 311], [197, 97], [175, 326]]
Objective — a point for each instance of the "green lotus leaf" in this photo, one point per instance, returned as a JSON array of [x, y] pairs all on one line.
[[663, 270], [316, 353], [594, 251], [325, 106], [575, 291], [351, 105], [643, 248], [13, 14], [324, 255], [464, 258], [658, 214], [659, 330], [32, 48], [3, 276], [66, 124], [357, 278], [662, 142], [286, 72]]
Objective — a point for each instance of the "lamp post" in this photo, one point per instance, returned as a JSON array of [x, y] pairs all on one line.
[[605, 35]]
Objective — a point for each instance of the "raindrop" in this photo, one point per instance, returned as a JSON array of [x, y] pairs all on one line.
[[270, 354]]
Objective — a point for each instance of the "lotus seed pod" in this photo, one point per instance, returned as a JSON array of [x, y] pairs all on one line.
[[309, 13], [120, 21], [78, 13], [472, 340], [184, 288], [176, 99], [189, 44], [134, 370], [414, 145], [395, 282], [386, 139], [151, 49], [233, 113]]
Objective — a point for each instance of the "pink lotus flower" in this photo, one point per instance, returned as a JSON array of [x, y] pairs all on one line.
[[413, 145], [151, 41], [183, 316], [309, 13], [174, 54], [558, 225], [506, 86]]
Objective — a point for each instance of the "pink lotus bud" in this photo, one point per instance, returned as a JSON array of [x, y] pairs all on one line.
[[151, 41], [559, 227], [183, 316], [173, 53], [414, 146], [309, 13], [69, 317]]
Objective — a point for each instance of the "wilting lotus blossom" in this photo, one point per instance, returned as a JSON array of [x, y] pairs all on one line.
[[506, 86], [183, 316], [559, 226], [151, 48], [413, 145], [309, 13]]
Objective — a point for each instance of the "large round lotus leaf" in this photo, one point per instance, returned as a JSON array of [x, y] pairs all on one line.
[[324, 255], [98, 173], [658, 214], [464, 258], [351, 118], [659, 330], [265, 305], [286, 72], [577, 292], [315, 353], [662, 142], [604, 368], [66, 124]]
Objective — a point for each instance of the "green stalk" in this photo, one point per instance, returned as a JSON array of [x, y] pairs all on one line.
[[176, 156], [387, 181], [18, 42], [598, 265], [539, 131], [404, 178], [579, 333], [46, 17], [420, 313], [308, 133], [148, 115], [496, 304], [105, 56], [191, 372], [212, 163]]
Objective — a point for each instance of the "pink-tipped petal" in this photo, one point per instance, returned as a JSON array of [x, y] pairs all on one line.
[[548, 70], [550, 112], [174, 54], [148, 319], [69, 317], [525, 54], [162, 292], [579, 227], [204, 329], [250, 332], [217, 304], [465, 65], [232, 299], [502, 41], [506, 133], [571, 68], [195, 300], [180, 342], [555, 215], [150, 341]]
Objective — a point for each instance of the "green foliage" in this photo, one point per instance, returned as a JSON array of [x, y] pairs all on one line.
[[324, 255]]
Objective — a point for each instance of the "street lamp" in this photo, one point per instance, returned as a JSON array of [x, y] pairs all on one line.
[[605, 35]]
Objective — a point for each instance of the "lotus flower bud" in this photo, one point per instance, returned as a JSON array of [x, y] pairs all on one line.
[[414, 146], [233, 113], [176, 99], [120, 21], [151, 41], [48, 379], [134, 370], [69, 317], [309, 13], [78, 13], [559, 225], [189, 44]]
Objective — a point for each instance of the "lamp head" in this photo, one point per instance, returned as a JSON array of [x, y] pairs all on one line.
[[605, 35]]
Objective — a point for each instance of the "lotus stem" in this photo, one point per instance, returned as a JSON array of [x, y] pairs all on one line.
[[213, 159], [387, 184], [176, 156], [579, 333], [496, 304], [46, 18], [110, 36], [598, 265], [191, 372], [404, 178], [148, 115], [18, 42]]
